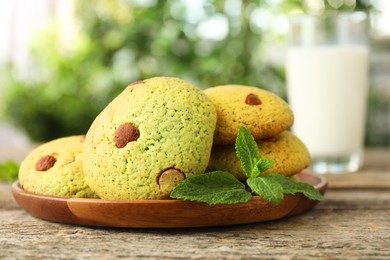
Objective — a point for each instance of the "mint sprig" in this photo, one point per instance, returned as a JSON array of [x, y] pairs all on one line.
[[223, 188], [267, 188], [213, 188], [248, 154], [291, 186]]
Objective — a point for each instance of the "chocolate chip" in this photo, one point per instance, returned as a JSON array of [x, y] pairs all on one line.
[[125, 134], [168, 179], [137, 82], [45, 163], [252, 100]]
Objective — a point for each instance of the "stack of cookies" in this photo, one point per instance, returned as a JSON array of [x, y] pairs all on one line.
[[268, 117], [157, 133]]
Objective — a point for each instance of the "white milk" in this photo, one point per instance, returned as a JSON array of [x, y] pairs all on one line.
[[327, 90]]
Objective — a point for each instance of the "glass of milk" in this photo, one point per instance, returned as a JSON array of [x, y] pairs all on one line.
[[327, 85]]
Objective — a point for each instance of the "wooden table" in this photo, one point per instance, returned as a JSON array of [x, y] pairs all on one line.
[[353, 222]]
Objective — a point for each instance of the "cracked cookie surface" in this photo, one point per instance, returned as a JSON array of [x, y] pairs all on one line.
[[153, 125], [262, 112], [55, 168]]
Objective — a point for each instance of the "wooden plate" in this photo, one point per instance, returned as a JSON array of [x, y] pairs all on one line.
[[162, 213]]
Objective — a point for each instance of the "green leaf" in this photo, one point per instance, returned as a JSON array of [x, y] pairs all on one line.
[[309, 191], [247, 151], [223, 188], [291, 186], [264, 164], [267, 188], [213, 188], [9, 171]]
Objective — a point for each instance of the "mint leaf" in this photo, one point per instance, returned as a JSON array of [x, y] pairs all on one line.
[[267, 187], [9, 171], [248, 152], [270, 187], [223, 188], [264, 164], [291, 186], [308, 190], [213, 188]]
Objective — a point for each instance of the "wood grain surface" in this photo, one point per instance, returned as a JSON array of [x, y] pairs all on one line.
[[351, 223]]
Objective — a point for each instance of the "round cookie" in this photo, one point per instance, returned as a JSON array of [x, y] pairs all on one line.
[[56, 169], [262, 112], [156, 133], [288, 152]]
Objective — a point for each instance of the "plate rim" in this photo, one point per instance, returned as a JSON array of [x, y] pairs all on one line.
[[74, 210], [17, 188]]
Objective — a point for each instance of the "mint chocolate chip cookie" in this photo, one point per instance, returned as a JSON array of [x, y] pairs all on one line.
[[262, 112], [288, 152], [156, 133], [56, 169]]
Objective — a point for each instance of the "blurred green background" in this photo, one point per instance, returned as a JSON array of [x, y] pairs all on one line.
[[123, 41]]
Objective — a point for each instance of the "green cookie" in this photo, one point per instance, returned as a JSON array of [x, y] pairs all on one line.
[[288, 152], [153, 135], [262, 112], [56, 169]]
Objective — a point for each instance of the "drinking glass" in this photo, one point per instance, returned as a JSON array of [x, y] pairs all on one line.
[[327, 84]]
